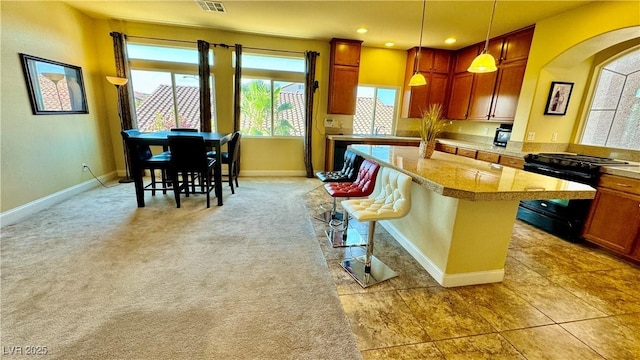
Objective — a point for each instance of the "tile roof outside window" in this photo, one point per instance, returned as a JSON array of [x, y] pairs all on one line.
[[364, 110]]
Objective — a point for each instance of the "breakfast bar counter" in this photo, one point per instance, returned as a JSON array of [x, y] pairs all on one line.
[[463, 210]]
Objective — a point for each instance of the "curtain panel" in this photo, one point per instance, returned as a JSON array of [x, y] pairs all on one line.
[[122, 71], [311, 85], [204, 72], [237, 91]]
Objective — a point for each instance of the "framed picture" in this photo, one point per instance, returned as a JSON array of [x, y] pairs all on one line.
[[558, 99], [54, 87]]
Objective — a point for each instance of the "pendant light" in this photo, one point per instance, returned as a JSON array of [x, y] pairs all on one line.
[[485, 63], [418, 79]]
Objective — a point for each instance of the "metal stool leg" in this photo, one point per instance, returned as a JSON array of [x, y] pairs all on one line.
[[344, 237], [367, 270]]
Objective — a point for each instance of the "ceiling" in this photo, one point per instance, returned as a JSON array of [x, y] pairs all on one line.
[[387, 21]]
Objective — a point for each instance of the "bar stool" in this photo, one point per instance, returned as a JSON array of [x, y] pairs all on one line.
[[392, 202], [363, 186], [348, 173]]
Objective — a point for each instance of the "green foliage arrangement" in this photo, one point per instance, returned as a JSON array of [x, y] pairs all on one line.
[[432, 123]]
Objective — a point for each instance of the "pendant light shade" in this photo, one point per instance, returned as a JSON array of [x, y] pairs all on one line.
[[418, 79], [485, 62]]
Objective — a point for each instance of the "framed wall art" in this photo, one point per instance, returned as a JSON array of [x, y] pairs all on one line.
[[54, 87], [558, 98]]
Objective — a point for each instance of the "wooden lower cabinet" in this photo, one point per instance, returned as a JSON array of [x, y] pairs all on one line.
[[446, 148], [467, 153], [488, 156], [614, 216], [511, 161]]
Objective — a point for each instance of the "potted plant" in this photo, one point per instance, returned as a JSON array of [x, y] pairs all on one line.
[[431, 125]]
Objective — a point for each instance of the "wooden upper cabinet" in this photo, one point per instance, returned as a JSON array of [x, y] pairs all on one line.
[[516, 46], [343, 76], [464, 57], [435, 65], [481, 96], [507, 92], [461, 84], [346, 52], [343, 94], [494, 96], [431, 60]]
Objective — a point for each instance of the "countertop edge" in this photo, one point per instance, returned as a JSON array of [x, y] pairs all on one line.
[[482, 196]]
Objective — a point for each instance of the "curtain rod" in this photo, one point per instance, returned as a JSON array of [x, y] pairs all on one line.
[[274, 50], [173, 40], [221, 45]]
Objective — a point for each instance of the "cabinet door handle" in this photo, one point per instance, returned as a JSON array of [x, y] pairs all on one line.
[[623, 185]]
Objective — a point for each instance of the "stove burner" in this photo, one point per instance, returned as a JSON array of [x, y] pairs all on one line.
[[587, 162]]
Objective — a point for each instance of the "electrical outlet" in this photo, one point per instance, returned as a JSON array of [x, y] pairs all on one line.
[[554, 137], [486, 131], [85, 167], [531, 135]]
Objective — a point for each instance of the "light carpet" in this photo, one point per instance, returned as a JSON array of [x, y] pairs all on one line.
[[95, 277]]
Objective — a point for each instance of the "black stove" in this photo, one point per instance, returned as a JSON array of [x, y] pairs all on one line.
[[562, 217], [584, 169]]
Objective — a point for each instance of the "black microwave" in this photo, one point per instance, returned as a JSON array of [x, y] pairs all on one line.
[[502, 136]]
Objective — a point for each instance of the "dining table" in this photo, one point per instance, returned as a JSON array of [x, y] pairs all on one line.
[[215, 140]]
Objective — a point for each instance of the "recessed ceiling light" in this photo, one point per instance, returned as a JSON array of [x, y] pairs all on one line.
[[450, 41], [389, 44], [362, 30]]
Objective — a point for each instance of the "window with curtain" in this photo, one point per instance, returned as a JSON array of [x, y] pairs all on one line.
[[272, 101], [613, 119], [166, 87], [375, 111]]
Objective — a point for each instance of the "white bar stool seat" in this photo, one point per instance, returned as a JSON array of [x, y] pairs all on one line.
[[393, 201]]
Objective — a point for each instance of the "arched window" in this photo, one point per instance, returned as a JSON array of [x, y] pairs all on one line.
[[613, 119]]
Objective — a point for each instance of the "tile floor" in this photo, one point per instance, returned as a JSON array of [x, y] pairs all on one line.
[[558, 300]]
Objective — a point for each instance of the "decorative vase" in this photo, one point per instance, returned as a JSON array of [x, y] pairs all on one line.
[[426, 149]]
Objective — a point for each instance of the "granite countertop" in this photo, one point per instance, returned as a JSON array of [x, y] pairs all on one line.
[[386, 138], [630, 171], [470, 179]]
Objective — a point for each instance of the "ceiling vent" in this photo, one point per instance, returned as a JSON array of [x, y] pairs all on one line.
[[212, 6]]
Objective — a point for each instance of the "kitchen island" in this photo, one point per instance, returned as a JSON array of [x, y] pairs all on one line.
[[463, 210]]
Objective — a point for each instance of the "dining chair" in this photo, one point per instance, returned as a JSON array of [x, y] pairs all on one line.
[[189, 155], [193, 176], [231, 158], [146, 160]]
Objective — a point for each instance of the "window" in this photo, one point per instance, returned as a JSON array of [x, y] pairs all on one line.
[[272, 96], [375, 111], [166, 87], [613, 119]]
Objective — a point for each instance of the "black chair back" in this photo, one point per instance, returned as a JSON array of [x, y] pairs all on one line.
[[143, 152], [188, 153], [185, 129], [234, 146], [352, 162]]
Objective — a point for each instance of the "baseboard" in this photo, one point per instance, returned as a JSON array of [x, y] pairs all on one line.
[[16, 214], [446, 280], [273, 173]]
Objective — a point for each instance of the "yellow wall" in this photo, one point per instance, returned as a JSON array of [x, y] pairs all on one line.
[[62, 142], [562, 50], [43, 154]]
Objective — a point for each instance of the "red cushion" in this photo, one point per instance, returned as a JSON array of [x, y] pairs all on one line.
[[363, 186]]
